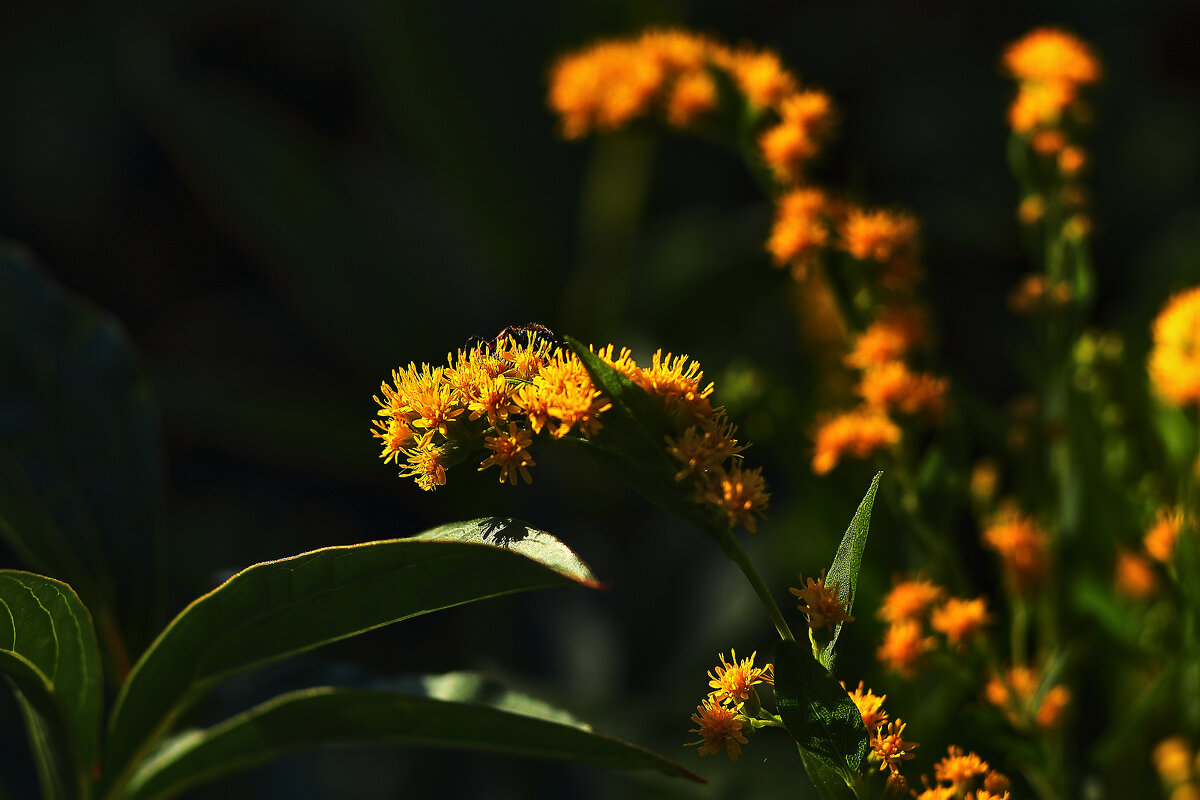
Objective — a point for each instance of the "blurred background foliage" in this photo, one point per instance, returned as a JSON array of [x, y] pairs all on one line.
[[284, 201]]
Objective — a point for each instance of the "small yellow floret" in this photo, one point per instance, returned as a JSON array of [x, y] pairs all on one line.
[[878, 235], [719, 728], [734, 681], [822, 604]]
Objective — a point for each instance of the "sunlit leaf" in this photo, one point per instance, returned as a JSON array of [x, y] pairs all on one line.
[[508, 723], [48, 652], [817, 711], [846, 564], [279, 608]]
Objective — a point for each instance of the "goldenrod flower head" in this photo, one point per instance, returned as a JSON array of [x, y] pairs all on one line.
[[858, 433], [676, 380], [1039, 105], [894, 387], [510, 453], [1022, 546], [604, 87], [734, 681], [1160, 540], [1172, 758], [904, 645], [426, 465], [1047, 55], [959, 770], [719, 728], [760, 76], [1018, 704], [960, 619], [890, 748], [742, 494], [800, 231], [908, 599], [703, 452], [1175, 355], [985, 794], [896, 331], [870, 706], [622, 362], [821, 603], [1134, 575], [693, 95], [806, 121], [561, 397], [878, 235], [1071, 160]]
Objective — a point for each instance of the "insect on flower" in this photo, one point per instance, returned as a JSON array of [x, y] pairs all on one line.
[[522, 335]]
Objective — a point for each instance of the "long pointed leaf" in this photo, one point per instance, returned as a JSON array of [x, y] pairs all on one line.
[[327, 716], [846, 564], [279, 608]]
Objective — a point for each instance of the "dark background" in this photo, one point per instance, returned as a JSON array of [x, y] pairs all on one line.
[[284, 201]]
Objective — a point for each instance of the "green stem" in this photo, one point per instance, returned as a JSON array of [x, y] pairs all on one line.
[[732, 549]]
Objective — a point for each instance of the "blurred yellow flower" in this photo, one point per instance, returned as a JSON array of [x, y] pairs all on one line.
[[1048, 55], [858, 433], [908, 599], [1175, 356]]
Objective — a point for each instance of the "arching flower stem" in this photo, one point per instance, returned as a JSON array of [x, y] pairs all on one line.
[[732, 549]]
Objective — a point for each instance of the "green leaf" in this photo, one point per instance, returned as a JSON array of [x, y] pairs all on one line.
[[48, 651], [633, 445], [846, 564], [46, 723], [279, 608], [81, 473], [818, 712], [829, 783], [327, 716]]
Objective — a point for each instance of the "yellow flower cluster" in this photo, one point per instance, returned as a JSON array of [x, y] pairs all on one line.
[[1022, 546], [1050, 67], [1175, 356], [498, 398], [888, 745], [672, 75], [905, 608], [1016, 694], [964, 775], [719, 717], [1135, 575], [888, 387]]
